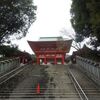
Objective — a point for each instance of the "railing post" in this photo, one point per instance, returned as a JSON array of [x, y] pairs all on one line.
[[91, 68], [8, 64]]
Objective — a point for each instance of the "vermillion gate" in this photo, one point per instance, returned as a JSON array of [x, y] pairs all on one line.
[[50, 48]]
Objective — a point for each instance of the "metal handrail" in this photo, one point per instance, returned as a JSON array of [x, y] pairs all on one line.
[[84, 97], [9, 59]]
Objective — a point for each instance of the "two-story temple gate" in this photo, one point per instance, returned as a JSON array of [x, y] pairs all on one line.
[[54, 48]]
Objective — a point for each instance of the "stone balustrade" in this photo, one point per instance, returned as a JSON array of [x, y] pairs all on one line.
[[91, 68], [9, 64]]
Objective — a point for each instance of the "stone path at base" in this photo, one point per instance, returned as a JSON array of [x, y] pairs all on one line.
[[59, 86]]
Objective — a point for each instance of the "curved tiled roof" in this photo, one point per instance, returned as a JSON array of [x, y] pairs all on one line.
[[55, 45]]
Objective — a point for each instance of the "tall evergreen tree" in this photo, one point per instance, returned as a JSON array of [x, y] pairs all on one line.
[[16, 16], [85, 19]]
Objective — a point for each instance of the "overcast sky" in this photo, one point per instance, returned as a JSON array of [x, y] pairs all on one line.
[[51, 17]]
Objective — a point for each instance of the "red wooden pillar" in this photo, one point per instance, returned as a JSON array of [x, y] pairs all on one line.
[[62, 59], [55, 60], [23, 60], [38, 60], [45, 60]]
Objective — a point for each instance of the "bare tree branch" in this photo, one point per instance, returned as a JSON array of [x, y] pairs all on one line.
[[75, 45]]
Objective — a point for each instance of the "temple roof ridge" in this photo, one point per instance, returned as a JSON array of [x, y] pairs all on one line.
[[59, 38]]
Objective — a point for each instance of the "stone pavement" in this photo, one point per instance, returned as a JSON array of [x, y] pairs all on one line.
[[59, 86]]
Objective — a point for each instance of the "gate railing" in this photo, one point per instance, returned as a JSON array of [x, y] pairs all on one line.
[[9, 64], [91, 68]]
